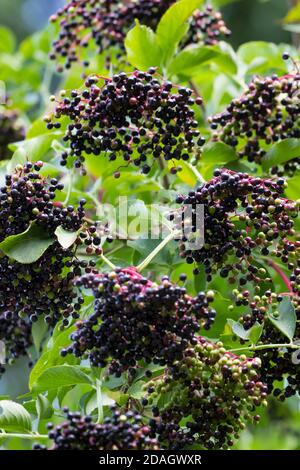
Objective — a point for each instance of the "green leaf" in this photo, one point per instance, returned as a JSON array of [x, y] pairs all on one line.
[[65, 238], [218, 152], [221, 3], [142, 48], [186, 63], [281, 152], [187, 175], [260, 57], [286, 319], [7, 40], [93, 403], [37, 147], [18, 158], [60, 376], [43, 407], [27, 247], [14, 417], [253, 334], [51, 357], [172, 26], [292, 191], [39, 330]]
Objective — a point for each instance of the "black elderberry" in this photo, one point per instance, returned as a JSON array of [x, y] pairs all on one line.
[[107, 22], [44, 287], [135, 319], [216, 393], [131, 114]]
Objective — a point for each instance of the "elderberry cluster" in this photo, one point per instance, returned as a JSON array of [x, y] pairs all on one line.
[[107, 22], [27, 197], [120, 431], [214, 391], [206, 25], [15, 333], [244, 216], [279, 364], [135, 319], [266, 113], [44, 287], [137, 117], [10, 131]]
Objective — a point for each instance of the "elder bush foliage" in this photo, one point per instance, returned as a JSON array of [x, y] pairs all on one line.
[[129, 339]]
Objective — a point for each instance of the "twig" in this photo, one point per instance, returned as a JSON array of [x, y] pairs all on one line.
[[261, 347], [281, 274]]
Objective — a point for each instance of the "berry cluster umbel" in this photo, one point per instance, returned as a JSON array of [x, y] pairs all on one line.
[[10, 131], [120, 431], [267, 112], [27, 197], [243, 216], [44, 287], [216, 393], [206, 25], [135, 319], [137, 117], [105, 23]]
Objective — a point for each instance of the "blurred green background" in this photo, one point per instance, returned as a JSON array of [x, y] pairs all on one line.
[[248, 20]]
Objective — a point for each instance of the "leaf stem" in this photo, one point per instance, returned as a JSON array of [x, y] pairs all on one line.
[[155, 252], [261, 347], [196, 172], [106, 261]]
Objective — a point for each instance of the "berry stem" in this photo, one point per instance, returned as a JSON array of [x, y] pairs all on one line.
[[155, 252], [70, 185], [4, 435], [196, 172], [261, 347], [106, 261], [281, 274]]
